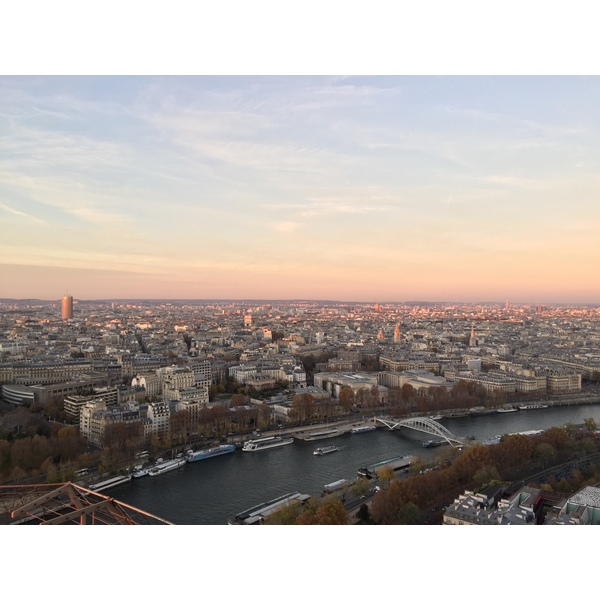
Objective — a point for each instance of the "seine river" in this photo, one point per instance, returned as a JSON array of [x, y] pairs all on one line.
[[211, 491]]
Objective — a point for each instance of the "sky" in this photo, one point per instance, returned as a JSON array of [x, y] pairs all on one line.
[[355, 188]]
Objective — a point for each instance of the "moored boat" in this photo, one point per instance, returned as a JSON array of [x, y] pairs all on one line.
[[166, 466], [396, 464], [257, 514], [266, 443], [532, 406], [325, 450], [457, 415], [139, 471], [508, 409], [434, 443], [479, 412], [209, 452], [363, 429], [322, 434]]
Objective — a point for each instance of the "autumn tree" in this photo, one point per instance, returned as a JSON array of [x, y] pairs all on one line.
[[360, 486], [346, 399], [239, 400], [303, 407], [330, 512], [180, 426], [408, 391], [385, 474]]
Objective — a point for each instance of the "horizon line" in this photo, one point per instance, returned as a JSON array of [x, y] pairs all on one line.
[[312, 300]]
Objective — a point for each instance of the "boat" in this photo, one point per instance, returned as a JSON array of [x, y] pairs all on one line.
[[322, 434], [532, 406], [266, 443], [166, 466], [507, 410], [529, 432], [139, 471], [479, 412], [109, 483], [437, 417], [363, 429], [209, 452], [336, 485], [257, 514], [325, 450], [457, 415], [434, 443], [396, 464]]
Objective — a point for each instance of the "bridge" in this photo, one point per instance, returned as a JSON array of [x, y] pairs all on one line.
[[424, 425]]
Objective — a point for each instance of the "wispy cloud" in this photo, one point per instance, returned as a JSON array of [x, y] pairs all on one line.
[[285, 226], [516, 182], [19, 213]]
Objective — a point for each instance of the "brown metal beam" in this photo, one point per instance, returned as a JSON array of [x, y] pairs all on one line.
[[77, 513]]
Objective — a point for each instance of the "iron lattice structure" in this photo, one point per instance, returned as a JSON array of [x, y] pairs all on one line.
[[67, 503], [425, 425]]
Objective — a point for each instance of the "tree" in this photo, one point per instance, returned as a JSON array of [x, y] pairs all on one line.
[[486, 476], [346, 399], [331, 512], [545, 453], [303, 407], [408, 514], [360, 486], [385, 475], [408, 391], [590, 424], [363, 514]]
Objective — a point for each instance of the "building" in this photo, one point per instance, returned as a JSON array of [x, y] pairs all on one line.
[[73, 404], [489, 508], [67, 307], [582, 508]]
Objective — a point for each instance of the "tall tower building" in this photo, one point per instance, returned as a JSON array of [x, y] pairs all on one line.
[[67, 307], [472, 340], [397, 334]]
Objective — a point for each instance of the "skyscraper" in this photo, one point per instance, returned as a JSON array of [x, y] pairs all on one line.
[[67, 307]]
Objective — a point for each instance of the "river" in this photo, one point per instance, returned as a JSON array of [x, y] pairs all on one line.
[[211, 491]]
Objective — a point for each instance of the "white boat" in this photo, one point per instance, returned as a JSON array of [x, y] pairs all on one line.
[[322, 434], [363, 429], [266, 443], [209, 452], [532, 406], [325, 450], [507, 410], [166, 466], [139, 471]]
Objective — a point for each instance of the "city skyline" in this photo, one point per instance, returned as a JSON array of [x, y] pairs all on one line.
[[357, 189]]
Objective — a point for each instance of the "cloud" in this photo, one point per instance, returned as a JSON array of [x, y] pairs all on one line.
[[19, 213], [285, 226], [516, 182]]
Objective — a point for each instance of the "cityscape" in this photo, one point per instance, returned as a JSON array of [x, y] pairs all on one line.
[[354, 300], [130, 381]]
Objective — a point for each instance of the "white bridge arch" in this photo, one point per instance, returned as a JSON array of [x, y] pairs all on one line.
[[424, 425]]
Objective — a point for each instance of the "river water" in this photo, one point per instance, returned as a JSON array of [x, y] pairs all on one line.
[[209, 492]]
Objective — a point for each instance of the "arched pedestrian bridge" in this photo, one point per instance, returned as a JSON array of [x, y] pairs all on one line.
[[424, 425]]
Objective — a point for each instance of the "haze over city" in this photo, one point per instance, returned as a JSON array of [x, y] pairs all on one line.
[[340, 188]]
